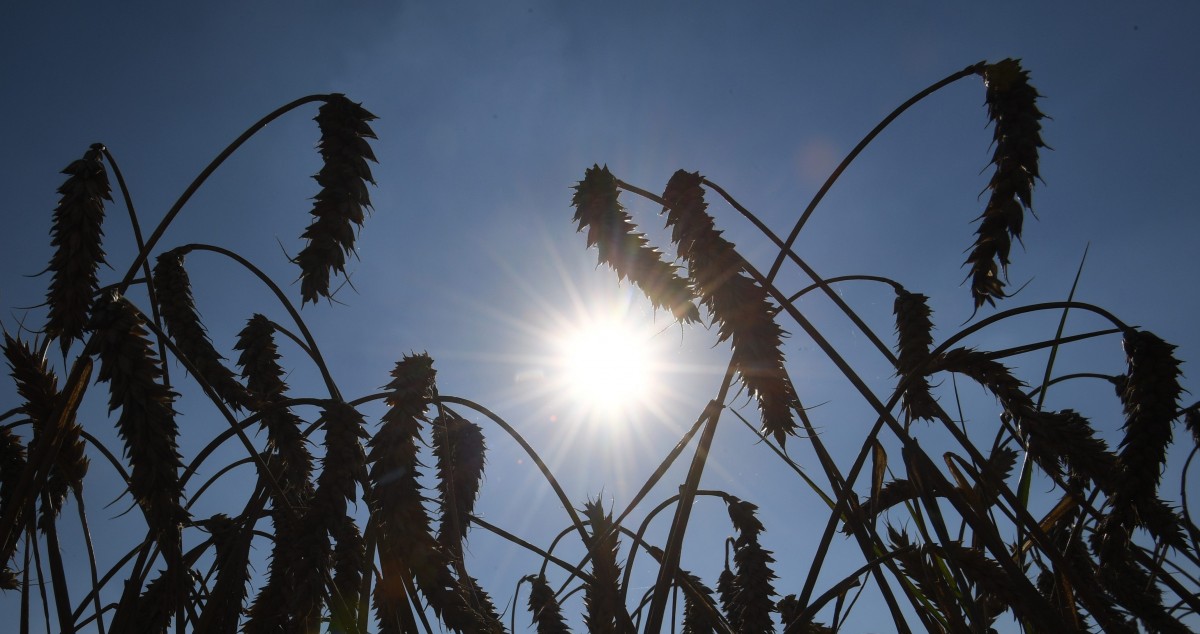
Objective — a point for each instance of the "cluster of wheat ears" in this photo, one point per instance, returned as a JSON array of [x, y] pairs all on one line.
[[949, 548]]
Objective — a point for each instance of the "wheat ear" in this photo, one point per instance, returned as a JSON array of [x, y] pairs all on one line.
[[178, 308], [460, 450], [76, 236], [754, 592], [340, 207], [914, 334], [146, 423], [612, 231], [603, 609], [12, 464], [737, 303], [38, 386], [1012, 109], [547, 614]]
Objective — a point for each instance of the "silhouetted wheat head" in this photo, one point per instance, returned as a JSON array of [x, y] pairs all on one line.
[[737, 303], [76, 236], [147, 419], [1012, 108], [612, 231], [38, 386], [914, 332], [178, 309], [339, 208]]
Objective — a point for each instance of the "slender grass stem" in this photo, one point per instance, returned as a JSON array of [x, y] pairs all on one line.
[[311, 348], [973, 69], [145, 250], [533, 455]]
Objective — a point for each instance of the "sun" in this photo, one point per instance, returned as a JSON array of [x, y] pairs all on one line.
[[608, 366]]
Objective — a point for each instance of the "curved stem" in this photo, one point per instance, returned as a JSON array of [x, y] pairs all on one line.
[[546, 556], [312, 348], [144, 253], [812, 205], [234, 424], [91, 554], [645, 525], [141, 246], [809, 271], [845, 278], [537, 460], [683, 512]]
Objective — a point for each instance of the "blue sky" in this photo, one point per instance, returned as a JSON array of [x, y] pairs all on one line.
[[490, 111]]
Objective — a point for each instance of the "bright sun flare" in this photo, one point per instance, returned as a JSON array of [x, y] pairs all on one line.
[[607, 367]]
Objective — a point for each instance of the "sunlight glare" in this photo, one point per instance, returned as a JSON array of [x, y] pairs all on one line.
[[607, 367]]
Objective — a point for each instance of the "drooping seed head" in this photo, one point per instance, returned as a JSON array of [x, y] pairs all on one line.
[[129, 365], [547, 614], [76, 236], [1150, 397], [914, 331], [37, 384], [460, 449], [737, 303], [178, 308], [612, 231], [340, 207], [1012, 109]]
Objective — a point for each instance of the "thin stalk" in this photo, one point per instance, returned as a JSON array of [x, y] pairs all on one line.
[[144, 252], [565, 565], [639, 536], [788, 461], [809, 271], [58, 576], [91, 553], [896, 286], [837, 172], [37, 562], [537, 460], [141, 246], [225, 413], [841, 587], [1026, 480], [312, 348], [683, 512]]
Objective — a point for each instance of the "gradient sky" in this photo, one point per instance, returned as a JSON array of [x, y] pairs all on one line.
[[490, 111]]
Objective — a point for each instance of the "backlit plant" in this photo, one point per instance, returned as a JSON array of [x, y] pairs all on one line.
[[949, 542]]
